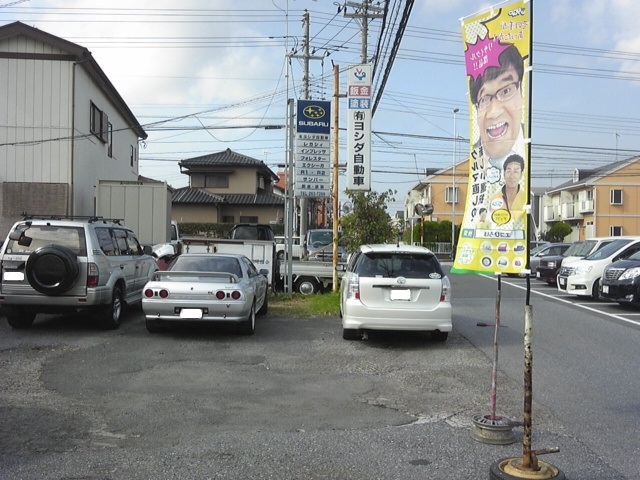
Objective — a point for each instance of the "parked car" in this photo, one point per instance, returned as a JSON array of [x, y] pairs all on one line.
[[281, 246], [251, 231], [542, 250], [318, 246], [66, 264], [621, 281], [583, 277], [206, 287], [395, 287], [537, 243], [549, 266]]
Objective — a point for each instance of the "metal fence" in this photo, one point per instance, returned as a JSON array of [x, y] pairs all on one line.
[[439, 248]]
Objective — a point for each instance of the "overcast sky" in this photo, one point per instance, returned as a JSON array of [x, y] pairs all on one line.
[[185, 65]]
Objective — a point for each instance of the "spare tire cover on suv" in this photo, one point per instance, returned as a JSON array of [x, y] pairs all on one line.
[[52, 270]]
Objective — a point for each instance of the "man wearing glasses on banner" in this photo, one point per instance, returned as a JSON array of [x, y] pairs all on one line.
[[497, 96]]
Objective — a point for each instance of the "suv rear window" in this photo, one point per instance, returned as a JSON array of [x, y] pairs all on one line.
[[398, 265], [36, 236]]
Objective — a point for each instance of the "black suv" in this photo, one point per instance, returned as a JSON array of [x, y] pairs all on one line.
[[69, 264]]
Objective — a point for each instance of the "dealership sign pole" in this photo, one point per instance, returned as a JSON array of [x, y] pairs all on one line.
[[359, 115]]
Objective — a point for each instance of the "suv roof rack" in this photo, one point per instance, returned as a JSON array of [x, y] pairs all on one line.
[[89, 218]]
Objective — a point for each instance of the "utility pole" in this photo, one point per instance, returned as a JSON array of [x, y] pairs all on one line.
[[364, 11], [303, 224]]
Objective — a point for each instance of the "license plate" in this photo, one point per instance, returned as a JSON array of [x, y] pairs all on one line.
[[14, 276], [191, 313], [605, 288], [397, 294]]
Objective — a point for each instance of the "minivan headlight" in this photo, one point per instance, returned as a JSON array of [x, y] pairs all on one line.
[[582, 270]]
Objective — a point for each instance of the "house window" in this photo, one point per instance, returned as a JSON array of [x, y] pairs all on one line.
[[110, 140], [448, 195], [248, 219], [615, 231], [132, 156], [616, 197], [228, 219], [220, 180], [98, 123]]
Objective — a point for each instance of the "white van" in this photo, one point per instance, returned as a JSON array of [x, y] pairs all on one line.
[[582, 277]]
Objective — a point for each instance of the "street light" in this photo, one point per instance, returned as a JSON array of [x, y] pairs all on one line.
[[453, 190]]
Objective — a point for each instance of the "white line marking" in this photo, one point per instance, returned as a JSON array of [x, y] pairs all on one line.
[[618, 317]]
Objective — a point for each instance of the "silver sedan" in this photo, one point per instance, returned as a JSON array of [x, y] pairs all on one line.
[[206, 287]]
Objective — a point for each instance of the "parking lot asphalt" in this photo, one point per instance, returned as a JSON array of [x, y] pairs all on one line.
[[294, 401]]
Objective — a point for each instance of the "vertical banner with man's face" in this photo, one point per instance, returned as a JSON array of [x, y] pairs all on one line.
[[493, 234]]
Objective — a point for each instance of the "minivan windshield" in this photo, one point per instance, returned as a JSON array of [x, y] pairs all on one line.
[[585, 248], [573, 248], [608, 250]]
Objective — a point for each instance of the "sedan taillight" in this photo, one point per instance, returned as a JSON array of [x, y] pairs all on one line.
[[235, 295], [150, 293]]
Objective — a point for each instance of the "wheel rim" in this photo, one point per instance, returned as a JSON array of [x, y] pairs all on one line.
[[307, 288], [117, 308]]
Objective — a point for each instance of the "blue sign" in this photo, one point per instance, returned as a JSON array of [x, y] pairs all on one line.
[[314, 116]]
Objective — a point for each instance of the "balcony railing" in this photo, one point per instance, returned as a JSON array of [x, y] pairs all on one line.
[[586, 206], [568, 210], [552, 213]]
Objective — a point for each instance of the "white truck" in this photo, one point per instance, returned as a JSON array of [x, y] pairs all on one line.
[[308, 277], [260, 252], [145, 207], [281, 247]]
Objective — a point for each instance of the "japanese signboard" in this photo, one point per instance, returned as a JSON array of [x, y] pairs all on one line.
[[493, 235], [359, 115], [313, 149]]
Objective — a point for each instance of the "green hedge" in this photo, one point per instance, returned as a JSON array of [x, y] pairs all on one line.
[[216, 230]]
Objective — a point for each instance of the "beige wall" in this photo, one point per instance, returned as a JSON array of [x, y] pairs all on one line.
[[194, 213], [241, 180], [626, 215], [441, 209], [266, 214]]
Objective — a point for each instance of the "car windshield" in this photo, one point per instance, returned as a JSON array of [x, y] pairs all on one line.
[[586, 248], [538, 249], [321, 238], [407, 265], [608, 250], [573, 248]]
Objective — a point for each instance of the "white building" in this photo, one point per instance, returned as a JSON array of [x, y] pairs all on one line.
[[63, 126]]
